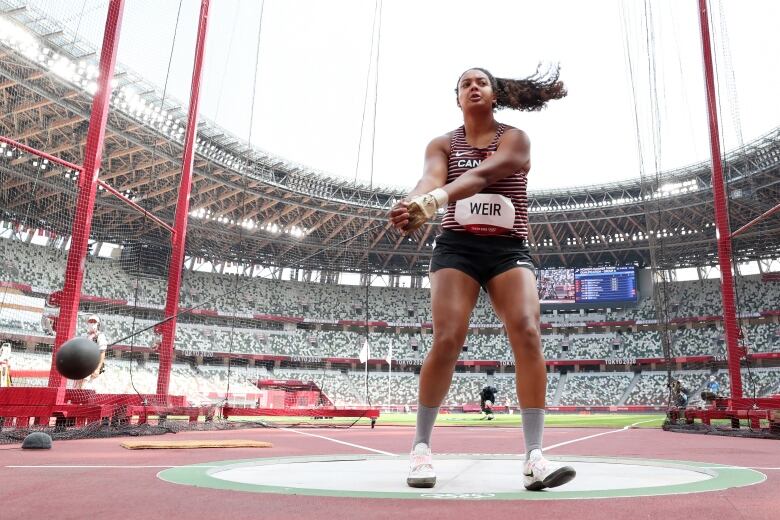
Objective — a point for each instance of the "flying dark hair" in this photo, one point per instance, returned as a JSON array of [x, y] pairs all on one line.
[[527, 94]]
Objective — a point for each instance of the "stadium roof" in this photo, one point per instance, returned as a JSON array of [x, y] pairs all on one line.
[[251, 206]]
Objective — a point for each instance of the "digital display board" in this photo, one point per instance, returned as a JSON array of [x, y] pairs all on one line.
[[555, 285], [605, 284]]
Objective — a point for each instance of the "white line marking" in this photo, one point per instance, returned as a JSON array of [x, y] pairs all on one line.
[[342, 442], [624, 428], [107, 466]]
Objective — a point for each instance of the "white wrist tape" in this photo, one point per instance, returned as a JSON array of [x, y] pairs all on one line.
[[440, 196]]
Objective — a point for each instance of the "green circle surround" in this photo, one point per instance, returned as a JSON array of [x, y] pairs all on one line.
[[723, 477]]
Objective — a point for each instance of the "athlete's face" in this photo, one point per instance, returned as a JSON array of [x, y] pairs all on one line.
[[474, 89]]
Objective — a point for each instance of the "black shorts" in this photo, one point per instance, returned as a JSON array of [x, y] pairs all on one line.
[[481, 257]]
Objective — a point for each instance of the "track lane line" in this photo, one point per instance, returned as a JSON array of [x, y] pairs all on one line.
[[580, 439], [341, 442]]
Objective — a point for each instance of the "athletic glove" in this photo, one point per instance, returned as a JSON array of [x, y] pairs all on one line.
[[423, 207]]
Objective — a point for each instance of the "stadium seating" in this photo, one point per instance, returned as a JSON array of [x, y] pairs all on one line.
[[584, 389], [507, 395]]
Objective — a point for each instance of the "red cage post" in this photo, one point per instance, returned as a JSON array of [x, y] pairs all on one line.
[[182, 211], [722, 226], [87, 189]]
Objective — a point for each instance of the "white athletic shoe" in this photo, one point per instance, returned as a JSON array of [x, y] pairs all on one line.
[[421, 474], [539, 473]]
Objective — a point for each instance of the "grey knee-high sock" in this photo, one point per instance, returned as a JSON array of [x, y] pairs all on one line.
[[533, 428], [426, 416]]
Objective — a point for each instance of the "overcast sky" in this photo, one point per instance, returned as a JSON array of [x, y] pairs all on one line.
[[316, 55]]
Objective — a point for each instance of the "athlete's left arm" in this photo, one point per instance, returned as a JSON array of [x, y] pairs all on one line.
[[513, 154]]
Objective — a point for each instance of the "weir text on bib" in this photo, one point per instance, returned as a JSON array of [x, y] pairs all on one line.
[[485, 214]]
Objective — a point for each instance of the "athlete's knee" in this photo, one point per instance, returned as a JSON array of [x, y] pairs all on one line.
[[525, 333], [447, 345]]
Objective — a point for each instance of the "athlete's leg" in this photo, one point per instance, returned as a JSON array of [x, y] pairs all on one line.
[[453, 296], [516, 302]]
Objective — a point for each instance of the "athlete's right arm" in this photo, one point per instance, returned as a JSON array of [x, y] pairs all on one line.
[[434, 176]]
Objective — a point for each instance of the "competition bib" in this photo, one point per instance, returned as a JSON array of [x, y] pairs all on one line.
[[485, 214]]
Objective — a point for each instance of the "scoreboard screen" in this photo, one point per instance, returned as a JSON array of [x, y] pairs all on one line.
[[605, 284]]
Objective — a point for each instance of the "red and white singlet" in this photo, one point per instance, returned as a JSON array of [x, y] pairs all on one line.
[[499, 209]]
